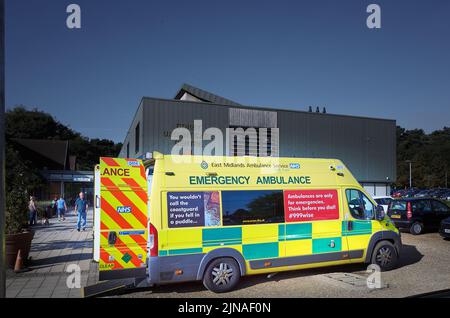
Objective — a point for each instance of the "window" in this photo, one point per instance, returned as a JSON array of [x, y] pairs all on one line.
[[398, 205], [383, 201], [252, 207], [421, 206], [137, 132], [360, 206], [440, 207], [128, 150]]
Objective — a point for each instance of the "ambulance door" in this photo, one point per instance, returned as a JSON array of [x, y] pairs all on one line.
[[359, 223], [97, 214], [123, 218], [313, 225]]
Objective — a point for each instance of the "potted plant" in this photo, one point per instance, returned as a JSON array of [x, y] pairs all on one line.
[[18, 236], [19, 179]]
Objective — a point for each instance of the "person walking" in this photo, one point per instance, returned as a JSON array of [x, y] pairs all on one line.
[[33, 211], [54, 210], [47, 214], [81, 207], [61, 208]]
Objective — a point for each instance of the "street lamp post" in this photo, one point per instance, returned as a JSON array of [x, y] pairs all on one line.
[[2, 151], [410, 173]]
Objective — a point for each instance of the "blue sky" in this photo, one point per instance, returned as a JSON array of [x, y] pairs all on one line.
[[283, 54]]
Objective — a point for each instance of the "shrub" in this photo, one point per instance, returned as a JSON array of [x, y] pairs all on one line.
[[19, 180]]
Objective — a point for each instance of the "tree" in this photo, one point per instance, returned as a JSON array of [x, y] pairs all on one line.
[[36, 124], [430, 156], [22, 176]]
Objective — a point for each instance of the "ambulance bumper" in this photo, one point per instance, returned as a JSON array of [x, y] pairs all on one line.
[[122, 273], [176, 268]]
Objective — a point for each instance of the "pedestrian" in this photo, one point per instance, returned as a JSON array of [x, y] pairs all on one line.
[[33, 211], [81, 207], [61, 208], [54, 206], [47, 214]]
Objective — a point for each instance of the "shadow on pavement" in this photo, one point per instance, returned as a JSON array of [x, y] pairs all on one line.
[[247, 281], [409, 255], [58, 245], [33, 264]]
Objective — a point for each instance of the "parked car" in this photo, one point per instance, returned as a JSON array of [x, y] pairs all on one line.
[[423, 193], [417, 214], [384, 201], [398, 193], [444, 195], [444, 230], [410, 193]]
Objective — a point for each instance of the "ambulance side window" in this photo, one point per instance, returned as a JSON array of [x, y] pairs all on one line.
[[359, 205], [243, 207]]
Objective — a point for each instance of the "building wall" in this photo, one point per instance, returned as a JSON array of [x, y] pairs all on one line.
[[161, 117], [130, 137], [366, 145]]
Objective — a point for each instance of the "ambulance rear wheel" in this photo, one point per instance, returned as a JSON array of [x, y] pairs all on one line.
[[222, 275]]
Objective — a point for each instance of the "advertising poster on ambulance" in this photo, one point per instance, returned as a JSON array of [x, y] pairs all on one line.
[[310, 205]]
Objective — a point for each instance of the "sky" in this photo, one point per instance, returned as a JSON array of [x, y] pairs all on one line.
[[281, 54]]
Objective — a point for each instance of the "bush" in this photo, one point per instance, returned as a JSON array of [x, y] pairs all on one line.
[[16, 211], [20, 179]]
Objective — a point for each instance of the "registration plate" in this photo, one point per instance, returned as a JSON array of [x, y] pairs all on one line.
[[395, 216], [446, 230]]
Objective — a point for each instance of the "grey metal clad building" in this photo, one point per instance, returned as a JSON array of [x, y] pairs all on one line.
[[366, 145]]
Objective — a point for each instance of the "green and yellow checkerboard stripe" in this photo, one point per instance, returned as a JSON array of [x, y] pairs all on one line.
[[266, 240]]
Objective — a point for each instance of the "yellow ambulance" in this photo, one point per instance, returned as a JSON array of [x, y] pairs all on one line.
[[184, 218]]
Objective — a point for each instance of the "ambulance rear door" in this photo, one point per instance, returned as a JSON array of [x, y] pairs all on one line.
[[97, 213], [123, 218]]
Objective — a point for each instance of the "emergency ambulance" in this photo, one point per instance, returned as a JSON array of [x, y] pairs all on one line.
[[184, 218]]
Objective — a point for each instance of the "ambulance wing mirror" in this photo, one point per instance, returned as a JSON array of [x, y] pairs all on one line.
[[379, 213]]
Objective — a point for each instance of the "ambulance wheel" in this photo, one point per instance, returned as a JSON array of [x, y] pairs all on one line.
[[416, 228], [222, 275], [385, 256]]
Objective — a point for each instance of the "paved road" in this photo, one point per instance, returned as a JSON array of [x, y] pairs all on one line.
[[54, 248], [424, 267]]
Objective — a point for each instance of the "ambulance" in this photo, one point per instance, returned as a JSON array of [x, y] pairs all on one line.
[[214, 219]]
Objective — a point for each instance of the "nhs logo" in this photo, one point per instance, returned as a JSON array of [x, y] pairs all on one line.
[[124, 209], [133, 163], [294, 165]]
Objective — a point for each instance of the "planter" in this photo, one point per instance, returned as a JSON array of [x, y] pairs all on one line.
[[16, 242]]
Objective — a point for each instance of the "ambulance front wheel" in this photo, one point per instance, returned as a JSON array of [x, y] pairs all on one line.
[[222, 275], [385, 255]]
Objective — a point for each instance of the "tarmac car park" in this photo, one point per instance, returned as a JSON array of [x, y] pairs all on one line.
[[422, 268]]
